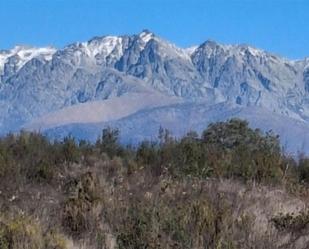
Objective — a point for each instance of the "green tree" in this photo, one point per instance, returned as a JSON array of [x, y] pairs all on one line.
[[245, 152], [109, 142], [303, 170]]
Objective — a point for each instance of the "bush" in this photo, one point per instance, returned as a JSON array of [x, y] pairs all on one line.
[[245, 153], [77, 209], [70, 150], [43, 171], [291, 222], [109, 142], [3, 164], [55, 240], [303, 170], [27, 156], [21, 232], [192, 157], [193, 223]]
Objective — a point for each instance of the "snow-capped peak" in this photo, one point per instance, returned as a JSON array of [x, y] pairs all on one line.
[[24, 54], [104, 45], [27, 53], [253, 51], [190, 50], [107, 67], [306, 60], [166, 49], [146, 36]]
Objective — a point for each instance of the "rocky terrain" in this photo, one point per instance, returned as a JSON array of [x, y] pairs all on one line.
[[115, 80]]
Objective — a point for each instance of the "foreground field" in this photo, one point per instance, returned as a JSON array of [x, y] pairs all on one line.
[[231, 187]]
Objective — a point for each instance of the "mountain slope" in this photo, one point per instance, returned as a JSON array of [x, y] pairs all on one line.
[[181, 118], [101, 111], [112, 77], [13, 60]]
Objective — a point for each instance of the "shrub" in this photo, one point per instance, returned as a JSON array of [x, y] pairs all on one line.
[[195, 223], [249, 154], [109, 142], [3, 164], [55, 240], [21, 232], [147, 153], [78, 208], [191, 158], [4, 236], [69, 150], [303, 170], [291, 222], [42, 171]]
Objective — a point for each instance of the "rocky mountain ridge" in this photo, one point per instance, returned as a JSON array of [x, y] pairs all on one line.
[[37, 82]]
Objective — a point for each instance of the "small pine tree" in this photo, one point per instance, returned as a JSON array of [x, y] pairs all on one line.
[[109, 142]]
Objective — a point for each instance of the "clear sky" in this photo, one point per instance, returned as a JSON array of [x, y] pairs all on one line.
[[279, 26]]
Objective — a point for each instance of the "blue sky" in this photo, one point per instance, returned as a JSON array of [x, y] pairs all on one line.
[[279, 26]]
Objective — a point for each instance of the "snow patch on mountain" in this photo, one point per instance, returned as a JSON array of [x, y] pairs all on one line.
[[190, 50], [146, 36], [103, 46], [22, 54], [117, 77]]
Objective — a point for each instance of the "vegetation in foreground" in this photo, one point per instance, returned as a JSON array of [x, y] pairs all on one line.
[[231, 187]]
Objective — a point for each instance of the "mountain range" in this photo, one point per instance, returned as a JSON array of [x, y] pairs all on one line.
[[140, 82]]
